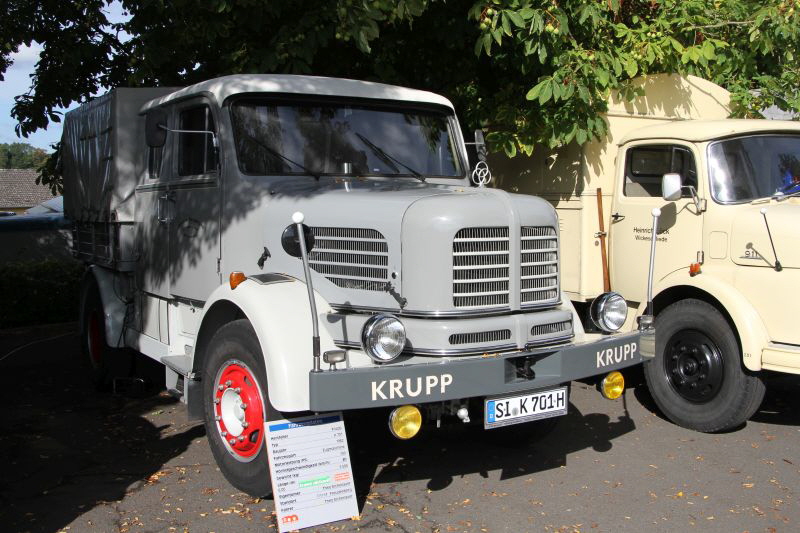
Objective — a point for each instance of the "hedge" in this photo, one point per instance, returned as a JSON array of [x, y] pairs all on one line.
[[39, 292]]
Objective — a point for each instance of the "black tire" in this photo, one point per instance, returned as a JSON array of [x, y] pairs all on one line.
[[236, 364], [105, 363], [697, 378]]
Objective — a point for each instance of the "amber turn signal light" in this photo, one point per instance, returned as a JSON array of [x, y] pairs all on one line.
[[694, 269], [236, 278]]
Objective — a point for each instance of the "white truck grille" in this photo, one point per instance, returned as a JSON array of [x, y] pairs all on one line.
[[538, 265], [351, 258], [481, 268]]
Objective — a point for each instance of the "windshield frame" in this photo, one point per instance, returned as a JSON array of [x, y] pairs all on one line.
[[708, 157], [292, 99]]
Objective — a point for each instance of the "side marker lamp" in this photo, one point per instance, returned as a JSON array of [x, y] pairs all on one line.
[[236, 278], [405, 421], [612, 386], [694, 269]]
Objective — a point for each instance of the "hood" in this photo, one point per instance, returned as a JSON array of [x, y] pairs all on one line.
[[750, 243], [398, 246]]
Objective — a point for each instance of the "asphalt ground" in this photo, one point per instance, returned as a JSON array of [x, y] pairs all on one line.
[[77, 460]]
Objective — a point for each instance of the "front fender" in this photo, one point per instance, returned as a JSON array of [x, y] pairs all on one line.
[[281, 317], [749, 326]]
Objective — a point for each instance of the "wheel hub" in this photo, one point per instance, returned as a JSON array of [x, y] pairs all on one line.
[[238, 409], [694, 366]]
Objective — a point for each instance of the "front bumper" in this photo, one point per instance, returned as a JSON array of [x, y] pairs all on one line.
[[467, 377]]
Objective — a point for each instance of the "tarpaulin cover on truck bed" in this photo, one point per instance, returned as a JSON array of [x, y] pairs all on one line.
[[103, 154]]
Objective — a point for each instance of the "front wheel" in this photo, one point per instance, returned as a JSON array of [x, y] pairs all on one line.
[[697, 378], [237, 407]]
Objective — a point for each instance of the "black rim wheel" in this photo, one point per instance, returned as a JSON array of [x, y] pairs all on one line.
[[694, 366]]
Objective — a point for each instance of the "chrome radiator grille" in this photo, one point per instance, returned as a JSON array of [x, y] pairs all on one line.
[[481, 268], [351, 258], [549, 329], [539, 265]]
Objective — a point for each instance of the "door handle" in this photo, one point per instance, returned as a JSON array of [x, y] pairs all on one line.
[[163, 207], [617, 217]]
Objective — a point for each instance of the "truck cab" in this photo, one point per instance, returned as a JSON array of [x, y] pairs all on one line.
[[725, 194], [295, 244]]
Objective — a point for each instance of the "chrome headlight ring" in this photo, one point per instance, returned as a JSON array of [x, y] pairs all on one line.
[[609, 311], [383, 337]]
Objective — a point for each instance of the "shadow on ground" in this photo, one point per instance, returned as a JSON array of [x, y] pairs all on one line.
[[440, 456], [66, 447]]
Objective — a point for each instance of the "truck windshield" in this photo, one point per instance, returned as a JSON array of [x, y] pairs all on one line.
[[330, 139], [759, 166]]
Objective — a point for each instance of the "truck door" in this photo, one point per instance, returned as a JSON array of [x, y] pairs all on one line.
[[152, 223], [636, 193], [195, 204]]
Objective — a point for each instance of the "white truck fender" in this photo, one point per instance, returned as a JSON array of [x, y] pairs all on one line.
[[281, 317], [114, 307], [749, 326]]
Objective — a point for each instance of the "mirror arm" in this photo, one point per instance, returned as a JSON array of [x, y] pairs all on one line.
[[700, 204]]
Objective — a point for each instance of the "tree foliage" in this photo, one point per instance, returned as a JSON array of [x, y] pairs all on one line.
[[528, 71], [21, 155]]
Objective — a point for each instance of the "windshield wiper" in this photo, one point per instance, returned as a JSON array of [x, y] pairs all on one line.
[[388, 159], [277, 153]]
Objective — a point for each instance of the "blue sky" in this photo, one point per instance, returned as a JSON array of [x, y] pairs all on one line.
[[17, 81]]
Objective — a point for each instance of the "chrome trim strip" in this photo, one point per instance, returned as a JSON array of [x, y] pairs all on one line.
[[477, 313]]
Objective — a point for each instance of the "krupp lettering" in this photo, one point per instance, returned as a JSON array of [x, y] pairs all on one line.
[[389, 389], [616, 355]]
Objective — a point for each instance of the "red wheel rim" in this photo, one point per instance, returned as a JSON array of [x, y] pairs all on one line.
[[239, 410], [95, 339]]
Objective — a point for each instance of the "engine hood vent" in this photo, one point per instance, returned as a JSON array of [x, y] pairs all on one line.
[[351, 258]]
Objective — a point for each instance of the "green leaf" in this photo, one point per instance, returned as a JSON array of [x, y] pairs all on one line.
[[631, 67], [546, 93], [536, 90], [580, 136], [602, 77], [542, 54], [487, 43], [506, 24], [516, 18], [498, 36]]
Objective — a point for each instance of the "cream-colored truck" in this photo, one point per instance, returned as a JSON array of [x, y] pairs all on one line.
[[727, 269]]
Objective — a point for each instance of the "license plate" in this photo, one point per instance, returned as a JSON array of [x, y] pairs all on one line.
[[525, 407]]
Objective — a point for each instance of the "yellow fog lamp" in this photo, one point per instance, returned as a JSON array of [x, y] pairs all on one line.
[[613, 385], [405, 421]]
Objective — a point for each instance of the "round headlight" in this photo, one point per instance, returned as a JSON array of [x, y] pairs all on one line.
[[609, 311], [383, 337]]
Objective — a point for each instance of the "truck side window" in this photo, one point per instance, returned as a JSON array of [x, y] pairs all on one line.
[[196, 154], [155, 157], [646, 165]]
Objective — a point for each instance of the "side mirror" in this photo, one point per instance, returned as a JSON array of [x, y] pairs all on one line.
[[671, 187], [155, 127], [480, 146], [291, 242]]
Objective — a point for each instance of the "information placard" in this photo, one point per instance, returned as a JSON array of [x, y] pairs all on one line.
[[309, 461]]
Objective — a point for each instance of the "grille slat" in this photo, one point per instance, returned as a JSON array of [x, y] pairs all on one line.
[[481, 268], [351, 258]]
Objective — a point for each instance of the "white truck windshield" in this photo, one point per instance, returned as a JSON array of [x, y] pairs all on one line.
[[328, 139], [759, 166]]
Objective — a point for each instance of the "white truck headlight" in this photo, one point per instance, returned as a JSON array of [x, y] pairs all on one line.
[[609, 311], [383, 337]]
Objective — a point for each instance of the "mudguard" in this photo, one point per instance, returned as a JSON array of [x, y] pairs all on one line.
[[281, 317], [111, 287], [749, 326]]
